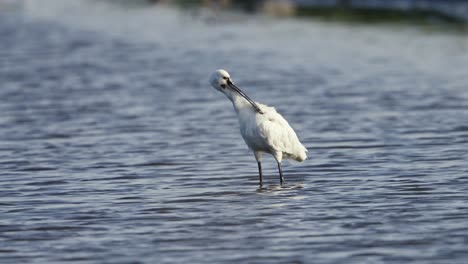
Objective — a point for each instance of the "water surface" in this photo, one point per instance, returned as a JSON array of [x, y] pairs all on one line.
[[114, 149]]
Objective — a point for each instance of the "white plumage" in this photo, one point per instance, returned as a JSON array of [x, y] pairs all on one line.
[[263, 129]]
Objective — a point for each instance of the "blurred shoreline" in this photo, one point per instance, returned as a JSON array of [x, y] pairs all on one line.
[[431, 14], [423, 12]]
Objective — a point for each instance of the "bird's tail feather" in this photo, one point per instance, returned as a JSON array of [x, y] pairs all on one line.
[[299, 156]]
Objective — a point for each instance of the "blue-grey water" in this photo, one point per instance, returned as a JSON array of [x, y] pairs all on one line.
[[114, 149]]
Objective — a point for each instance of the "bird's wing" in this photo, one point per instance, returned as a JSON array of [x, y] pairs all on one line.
[[280, 136]]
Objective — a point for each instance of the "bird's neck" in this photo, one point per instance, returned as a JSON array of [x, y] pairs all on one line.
[[240, 103]]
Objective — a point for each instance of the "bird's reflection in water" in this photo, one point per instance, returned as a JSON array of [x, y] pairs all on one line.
[[276, 188]]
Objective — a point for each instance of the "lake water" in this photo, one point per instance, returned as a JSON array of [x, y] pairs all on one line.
[[114, 148]]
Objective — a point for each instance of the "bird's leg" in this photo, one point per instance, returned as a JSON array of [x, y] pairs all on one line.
[[278, 155], [280, 173], [260, 177], [258, 157]]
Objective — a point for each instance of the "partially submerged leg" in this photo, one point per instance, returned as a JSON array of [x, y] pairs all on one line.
[[280, 173], [260, 177], [279, 157], [258, 157]]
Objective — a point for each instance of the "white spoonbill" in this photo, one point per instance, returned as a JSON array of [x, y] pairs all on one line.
[[263, 129]]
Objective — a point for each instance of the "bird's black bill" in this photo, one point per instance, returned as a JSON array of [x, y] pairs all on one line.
[[239, 91]]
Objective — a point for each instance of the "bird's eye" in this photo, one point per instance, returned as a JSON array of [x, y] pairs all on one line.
[[225, 78]]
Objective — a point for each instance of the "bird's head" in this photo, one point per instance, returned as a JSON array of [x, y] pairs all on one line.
[[221, 81]]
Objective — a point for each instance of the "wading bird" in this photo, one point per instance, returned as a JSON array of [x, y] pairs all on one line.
[[263, 129]]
